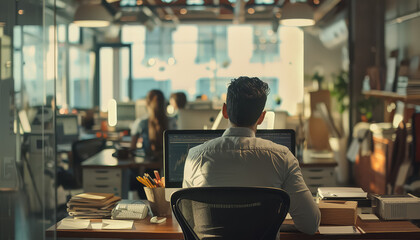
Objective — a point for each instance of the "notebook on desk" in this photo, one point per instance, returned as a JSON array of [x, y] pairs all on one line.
[[338, 193], [345, 193]]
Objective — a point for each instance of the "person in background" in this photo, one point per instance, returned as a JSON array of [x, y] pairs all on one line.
[[238, 158], [151, 129], [177, 100], [88, 121]]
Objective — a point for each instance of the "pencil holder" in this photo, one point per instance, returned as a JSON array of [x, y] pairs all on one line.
[[156, 197]]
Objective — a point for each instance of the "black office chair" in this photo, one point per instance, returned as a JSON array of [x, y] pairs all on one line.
[[81, 150], [230, 212]]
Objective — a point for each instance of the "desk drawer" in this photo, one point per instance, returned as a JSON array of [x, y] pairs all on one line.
[[102, 176], [318, 177], [317, 172], [328, 181]]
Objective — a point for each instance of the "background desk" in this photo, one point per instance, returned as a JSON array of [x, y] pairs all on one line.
[[318, 171], [105, 173], [143, 229]]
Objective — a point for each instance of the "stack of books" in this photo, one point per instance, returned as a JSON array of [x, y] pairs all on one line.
[[408, 86], [92, 205]]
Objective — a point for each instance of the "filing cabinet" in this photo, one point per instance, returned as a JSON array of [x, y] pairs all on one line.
[[316, 176], [103, 180]]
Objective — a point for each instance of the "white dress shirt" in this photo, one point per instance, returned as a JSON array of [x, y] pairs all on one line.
[[238, 158]]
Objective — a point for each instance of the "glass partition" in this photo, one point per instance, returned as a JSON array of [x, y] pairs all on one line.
[[28, 73]]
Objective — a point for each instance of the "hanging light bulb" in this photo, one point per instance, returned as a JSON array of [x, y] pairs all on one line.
[[92, 14], [297, 15]]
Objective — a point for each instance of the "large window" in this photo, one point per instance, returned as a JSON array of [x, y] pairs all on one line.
[[201, 60], [114, 74], [81, 77]]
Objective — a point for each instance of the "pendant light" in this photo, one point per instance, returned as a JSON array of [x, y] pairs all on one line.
[[92, 14], [297, 14]]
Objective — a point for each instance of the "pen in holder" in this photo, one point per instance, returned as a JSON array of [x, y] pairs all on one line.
[[155, 193], [156, 197]]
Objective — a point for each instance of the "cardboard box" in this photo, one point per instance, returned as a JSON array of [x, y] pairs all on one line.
[[342, 213]]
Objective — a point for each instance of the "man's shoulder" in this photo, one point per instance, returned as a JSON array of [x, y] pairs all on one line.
[[208, 145], [270, 145], [232, 143]]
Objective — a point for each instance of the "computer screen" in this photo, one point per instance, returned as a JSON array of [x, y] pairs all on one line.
[[67, 129], [178, 142], [126, 115], [126, 111]]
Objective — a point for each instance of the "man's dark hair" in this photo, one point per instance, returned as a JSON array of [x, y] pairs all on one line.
[[245, 100]]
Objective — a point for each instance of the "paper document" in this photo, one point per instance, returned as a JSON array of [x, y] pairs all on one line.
[[368, 217], [70, 223], [322, 154], [338, 230], [91, 196], [96, 225], [117, 224]]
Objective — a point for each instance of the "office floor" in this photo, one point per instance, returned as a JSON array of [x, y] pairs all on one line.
[[28, 224]]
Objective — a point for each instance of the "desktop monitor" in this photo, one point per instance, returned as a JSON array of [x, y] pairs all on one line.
[[178, 142], [126, 114], [67, 129]]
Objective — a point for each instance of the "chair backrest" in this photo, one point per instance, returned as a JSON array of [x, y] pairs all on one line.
[[83, 150], [230, 212]]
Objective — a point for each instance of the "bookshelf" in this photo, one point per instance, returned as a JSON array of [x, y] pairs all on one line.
[[392, 96]]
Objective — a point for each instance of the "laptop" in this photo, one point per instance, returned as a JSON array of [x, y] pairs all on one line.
[[177, 143]]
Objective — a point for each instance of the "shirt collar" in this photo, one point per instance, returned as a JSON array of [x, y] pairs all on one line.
[[239, 132]]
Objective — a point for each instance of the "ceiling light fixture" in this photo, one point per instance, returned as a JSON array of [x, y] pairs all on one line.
[[93, 14], [297, 15]]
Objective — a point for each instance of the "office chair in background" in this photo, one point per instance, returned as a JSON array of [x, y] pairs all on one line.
[[230, 212], [81, 150]]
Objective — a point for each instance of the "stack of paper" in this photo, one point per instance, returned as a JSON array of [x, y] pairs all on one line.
[[335, 193], [407, 86], [92, 205], [341, 230], [345, 193]]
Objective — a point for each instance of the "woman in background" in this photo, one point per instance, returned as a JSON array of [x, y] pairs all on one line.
[[151, 129]]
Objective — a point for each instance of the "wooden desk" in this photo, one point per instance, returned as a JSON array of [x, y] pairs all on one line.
[[374, 230], [105, 173], [143, 229]]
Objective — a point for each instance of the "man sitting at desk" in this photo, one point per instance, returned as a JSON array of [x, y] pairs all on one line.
[[238, 158]]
